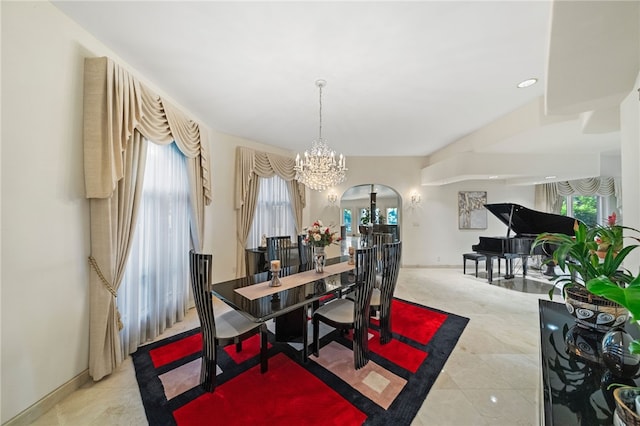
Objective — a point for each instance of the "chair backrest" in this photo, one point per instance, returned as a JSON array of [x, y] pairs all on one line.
[[200, 268], [279, 248], [304, 250], [391, 254], [379, 239], [365, 235], [365, 272]]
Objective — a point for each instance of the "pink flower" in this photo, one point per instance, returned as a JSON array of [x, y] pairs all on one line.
[[612, 219]]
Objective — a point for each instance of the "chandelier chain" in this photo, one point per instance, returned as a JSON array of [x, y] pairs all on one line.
[[320, 113]]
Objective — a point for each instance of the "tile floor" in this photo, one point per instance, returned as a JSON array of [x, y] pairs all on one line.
[[491, 378]]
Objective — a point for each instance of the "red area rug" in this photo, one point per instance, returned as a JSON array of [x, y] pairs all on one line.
[[292, 392]]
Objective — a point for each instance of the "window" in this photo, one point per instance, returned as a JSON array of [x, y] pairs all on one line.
[[274, 213], [590, 209], [155, 288], [346, 220], [392, 215]]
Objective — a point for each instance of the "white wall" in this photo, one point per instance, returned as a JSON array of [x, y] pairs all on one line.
[[45, 216], [429, 231], [630, 153], [220, 226]]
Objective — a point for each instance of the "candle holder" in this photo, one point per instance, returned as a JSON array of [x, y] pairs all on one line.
[[352, 251], [275, 279]]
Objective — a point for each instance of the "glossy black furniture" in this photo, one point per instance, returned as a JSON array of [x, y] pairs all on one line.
[[346, 314], [280, 248], [574, 378], [527, 224], [293, 303], [256, 260], [218, 328], [391, 255], [474, 257]]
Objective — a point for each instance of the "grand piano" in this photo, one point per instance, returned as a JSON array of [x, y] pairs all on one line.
[[527, 225]]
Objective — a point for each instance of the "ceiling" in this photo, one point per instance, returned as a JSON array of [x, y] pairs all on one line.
[[403, 78]]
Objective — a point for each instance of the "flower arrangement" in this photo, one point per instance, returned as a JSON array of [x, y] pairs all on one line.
[[627, 293], [319, 235], [609, 236]]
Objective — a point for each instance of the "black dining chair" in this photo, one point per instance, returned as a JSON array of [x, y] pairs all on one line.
[[346, 314], [382, 294], [380, 238], [279, 248], [220, 324], [305, 251]]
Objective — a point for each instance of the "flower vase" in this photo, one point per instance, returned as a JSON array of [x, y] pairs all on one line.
[[319, 258]]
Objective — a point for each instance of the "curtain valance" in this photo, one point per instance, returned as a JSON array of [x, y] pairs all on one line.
[[251, 165], [120, 115], [115, 104], [604, 186], [263, 164], [549, 196]]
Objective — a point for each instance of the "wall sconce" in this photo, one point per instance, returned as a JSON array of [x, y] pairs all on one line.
[[415, 198], [332, 198]]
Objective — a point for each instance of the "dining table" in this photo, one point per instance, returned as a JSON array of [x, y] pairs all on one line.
[[300, 288]]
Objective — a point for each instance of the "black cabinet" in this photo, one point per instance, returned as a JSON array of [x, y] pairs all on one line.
[[574, 379]]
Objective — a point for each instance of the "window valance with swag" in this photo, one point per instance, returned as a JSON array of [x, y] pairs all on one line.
[[120, 114], [251, 165], [549, 196]]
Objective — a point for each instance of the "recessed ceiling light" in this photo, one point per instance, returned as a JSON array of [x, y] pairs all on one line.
[[493, 177], [528, 82], [550, 177]]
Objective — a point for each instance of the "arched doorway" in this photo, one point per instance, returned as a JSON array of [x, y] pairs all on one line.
[[373, 205]]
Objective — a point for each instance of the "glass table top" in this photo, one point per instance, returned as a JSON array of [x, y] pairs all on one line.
[[284, 301]]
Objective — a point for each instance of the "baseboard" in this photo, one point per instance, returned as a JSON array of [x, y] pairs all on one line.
[[29, 415], [440, 266]]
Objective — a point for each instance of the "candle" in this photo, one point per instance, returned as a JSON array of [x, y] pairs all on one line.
[[275, 265]]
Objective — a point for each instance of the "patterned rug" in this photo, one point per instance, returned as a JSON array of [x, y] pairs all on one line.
[[327, 390]]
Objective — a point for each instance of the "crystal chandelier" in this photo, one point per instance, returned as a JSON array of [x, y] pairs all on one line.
[[319, 169]]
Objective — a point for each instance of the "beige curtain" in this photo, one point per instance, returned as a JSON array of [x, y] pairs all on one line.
[[546, 198], [113, 220], [251, 165], [603, 186], [549, 196], [118, 112]]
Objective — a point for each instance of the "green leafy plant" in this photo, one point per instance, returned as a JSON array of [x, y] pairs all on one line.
[[592, 252], [628, 296], [365, 219]]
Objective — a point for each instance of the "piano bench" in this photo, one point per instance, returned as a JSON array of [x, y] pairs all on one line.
[[476, 257]]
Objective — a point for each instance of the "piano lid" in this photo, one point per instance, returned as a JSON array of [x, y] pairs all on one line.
[[531, 222]]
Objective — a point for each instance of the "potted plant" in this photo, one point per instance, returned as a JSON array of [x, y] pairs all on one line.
[[365, 219], [627, 399], [593, 252]]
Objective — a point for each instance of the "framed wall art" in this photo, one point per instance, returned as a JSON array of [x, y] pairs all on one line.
[[471, 211]]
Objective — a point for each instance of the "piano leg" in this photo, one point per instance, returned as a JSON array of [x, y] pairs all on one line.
[[509, 274], [489, 265]]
